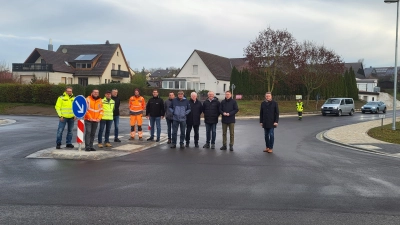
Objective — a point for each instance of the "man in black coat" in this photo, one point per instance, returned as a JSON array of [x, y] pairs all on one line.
[[228, 109], [155, 111], [114, 96], [193, 119], [168, 115], [211, 114], [269, 117]]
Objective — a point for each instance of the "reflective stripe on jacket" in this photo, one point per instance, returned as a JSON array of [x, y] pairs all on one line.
[[136, 105], [108, 108], [299, 106], [95, 108], [64, 106]]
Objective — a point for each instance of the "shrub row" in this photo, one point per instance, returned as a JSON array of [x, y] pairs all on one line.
[[48, 93]]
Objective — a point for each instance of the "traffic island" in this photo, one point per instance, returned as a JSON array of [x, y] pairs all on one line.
[[125, 147]]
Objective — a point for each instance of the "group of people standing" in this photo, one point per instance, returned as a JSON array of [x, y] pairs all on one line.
[[180, 113]]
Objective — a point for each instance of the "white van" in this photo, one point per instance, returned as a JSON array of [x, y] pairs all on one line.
[[338, 106]]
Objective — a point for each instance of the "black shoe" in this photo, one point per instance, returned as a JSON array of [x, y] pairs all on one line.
[[87, 149], [150, 139], [223, 147], [173, 146], [206, 146], [117, 140], [158, 140], [169, 141], [212, 146], [231, 148], [92, 149], [69, 146], [182, 146], [187, 145], [58, 147], [196, 145]]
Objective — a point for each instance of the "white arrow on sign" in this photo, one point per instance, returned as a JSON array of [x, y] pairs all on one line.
[[80, 107]]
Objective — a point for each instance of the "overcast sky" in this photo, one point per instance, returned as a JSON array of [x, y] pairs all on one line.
[[162, 33]]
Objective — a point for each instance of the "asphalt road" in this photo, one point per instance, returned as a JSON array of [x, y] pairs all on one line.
[[305, 181]]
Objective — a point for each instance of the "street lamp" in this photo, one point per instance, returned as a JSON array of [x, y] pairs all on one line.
[[395, 65]]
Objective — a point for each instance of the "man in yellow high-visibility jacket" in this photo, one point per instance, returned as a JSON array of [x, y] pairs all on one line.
[[66, 116], [106, 120], [300, 108]]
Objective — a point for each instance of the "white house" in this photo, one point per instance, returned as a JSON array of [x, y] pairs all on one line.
[[205, 71], [75, 64], [368, 89]]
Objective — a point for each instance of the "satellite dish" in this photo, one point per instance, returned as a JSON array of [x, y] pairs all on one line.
[[64, 50]]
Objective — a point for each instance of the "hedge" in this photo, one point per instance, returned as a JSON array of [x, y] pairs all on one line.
[[48, 93]]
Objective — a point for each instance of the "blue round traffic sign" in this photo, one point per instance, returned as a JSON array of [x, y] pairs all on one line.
[[79, 106]]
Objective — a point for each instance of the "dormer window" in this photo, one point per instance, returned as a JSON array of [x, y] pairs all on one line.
[[83, 65]]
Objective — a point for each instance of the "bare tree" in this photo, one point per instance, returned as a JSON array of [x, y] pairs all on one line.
[[316, 66], [270, 56]]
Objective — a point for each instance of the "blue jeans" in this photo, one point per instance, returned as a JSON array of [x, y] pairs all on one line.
[[211, 128], [107, 124], [169, 127], [269, 137], [181, 125], [61, 126], [116, 125], [157, 120]]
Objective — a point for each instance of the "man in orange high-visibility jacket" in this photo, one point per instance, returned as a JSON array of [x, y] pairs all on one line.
[[92, 118], [136, 106]]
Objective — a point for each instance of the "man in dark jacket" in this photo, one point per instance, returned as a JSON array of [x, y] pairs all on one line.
[[211, 114], [193, 119], [155, 111], [168, 114], [228, 109], [180, 108], [114, 96], [269, 117]]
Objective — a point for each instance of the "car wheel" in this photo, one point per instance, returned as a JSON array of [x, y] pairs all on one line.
[[351, 112], [384, 110], [339, 113], [363, 112], [377, 111]]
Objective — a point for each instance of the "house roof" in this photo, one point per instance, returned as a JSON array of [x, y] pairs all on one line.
[[370, 72], [160, 73], [105, 50], [220, 67], [57, 59], [358, 69]]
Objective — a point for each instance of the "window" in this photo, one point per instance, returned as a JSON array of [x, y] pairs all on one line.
[[64, 80], [224, 87], [171, 85], [176, 86], [83, 65], [119, 67], [89, 65], [83, 81], [202, 86], [195, 69], [70, 80], [113, 66], [182, 85], [78, 65], [165, 84], [117, 53], [105, 81], [342, 102], [349, 101], [42, 61], [108, 80]]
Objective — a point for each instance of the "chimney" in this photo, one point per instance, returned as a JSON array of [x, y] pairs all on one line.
[[50, 47], [107, 42]]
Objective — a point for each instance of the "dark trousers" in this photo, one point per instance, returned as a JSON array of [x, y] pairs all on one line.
[[61, 126], [90, 132], [231, 127], [181, 125], [169, 128], [196, 133], [269, 137], [107, 124], [300, 114], [211, 132], [116, 126]]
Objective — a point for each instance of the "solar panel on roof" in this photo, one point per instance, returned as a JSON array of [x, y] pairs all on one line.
[[86, 57]]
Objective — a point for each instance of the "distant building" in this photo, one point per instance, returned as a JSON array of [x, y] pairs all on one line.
[[358, 69], [205, 71], [75, 64]]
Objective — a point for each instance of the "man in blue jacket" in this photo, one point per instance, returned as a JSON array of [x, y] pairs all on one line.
[[179, 108]]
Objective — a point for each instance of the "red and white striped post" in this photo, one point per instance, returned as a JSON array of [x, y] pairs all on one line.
[[79, 136]]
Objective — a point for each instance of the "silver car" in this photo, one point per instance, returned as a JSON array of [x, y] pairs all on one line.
[[374, 107]]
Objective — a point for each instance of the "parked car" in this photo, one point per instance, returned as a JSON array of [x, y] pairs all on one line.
[[338, 106], [374, 107]]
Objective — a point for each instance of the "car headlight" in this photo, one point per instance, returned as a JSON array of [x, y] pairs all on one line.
[[362, 107], [322, 107]]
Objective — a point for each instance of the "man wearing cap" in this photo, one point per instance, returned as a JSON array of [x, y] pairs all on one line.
[[106, 121], [136, 106]]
